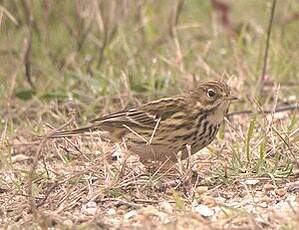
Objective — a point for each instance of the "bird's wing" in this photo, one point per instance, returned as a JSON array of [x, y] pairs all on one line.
[[130, 117], [145, 116]]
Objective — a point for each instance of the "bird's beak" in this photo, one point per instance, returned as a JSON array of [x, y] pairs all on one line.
[[231, 98]]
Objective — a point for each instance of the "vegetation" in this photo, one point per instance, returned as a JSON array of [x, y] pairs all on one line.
[[64, 62]]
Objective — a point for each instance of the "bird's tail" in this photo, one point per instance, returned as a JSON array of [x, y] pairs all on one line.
[[74, 132]]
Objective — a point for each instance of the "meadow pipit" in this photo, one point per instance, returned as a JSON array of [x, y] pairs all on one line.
[[159, 130]]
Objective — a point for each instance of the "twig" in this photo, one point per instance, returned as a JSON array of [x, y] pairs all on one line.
[[121, 202], [174, 17], [27, 59], [268, 41], [155, 129], [284, 141], [27, 56], [3, 134], [4, 11], [109, 29], [47, 193], [272, 127], [146, 201], [223, 10], [173, 21], [160, 169], [227, 121], [137, 134], [32, 203], [277, 110], [77, 148]]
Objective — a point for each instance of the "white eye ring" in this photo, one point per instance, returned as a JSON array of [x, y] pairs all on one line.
[[211, 93]]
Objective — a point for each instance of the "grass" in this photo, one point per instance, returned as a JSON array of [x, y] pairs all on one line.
[[84, 59]]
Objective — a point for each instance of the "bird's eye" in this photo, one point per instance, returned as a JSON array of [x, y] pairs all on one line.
[[211, 93]]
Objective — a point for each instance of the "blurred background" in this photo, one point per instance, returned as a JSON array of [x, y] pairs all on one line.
[[63, 62], [98, 55]]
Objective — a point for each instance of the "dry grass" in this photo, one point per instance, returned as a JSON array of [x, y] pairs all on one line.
[[65, 62]]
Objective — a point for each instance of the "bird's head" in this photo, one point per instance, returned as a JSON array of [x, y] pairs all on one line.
[[213, 95]]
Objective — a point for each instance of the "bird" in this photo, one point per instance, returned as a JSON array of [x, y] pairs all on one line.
[[167, 129]]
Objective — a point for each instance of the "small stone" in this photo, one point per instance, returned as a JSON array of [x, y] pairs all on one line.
[[263, 204], [111, 211], [291, 199], [164, 217], [89, 209], [91, 204], [220, 200], [235, 204], [68, 223], [166, 206], [209, 201], [266, 199], [292, 98], [251, 182], [269, 187], [130, 214], [279, 115], [150, 210], [19, 158], [204, 210], [293, 186], [201, 190], [280, 192]]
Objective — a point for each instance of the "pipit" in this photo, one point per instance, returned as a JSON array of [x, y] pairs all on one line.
[[159, 130]]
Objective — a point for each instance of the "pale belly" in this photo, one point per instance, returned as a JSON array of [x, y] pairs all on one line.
[[173, 145]]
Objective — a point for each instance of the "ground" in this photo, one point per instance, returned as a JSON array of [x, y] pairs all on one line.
[[65, 62]]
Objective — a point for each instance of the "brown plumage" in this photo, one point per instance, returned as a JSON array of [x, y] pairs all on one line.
[[160, 129]]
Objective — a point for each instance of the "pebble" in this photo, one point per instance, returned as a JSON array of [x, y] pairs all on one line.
[[251, 182], [268, 187], [220, 200], [90, 208], [111, 211], [209, 201], [201, 190], [263, 205], [293, 186], [280, 192], [130, 214], [204, 210], [68, 223], [266, 199], [166, 206], [19, 158]]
